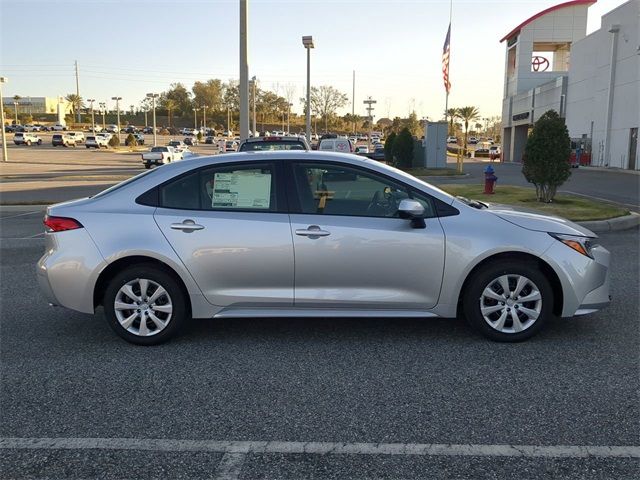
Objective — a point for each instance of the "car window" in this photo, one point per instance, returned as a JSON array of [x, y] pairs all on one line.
[[271, 145], [342, 190], [236, 188]]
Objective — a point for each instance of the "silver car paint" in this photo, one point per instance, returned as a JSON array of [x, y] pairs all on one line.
[[367, 262], [239, 258], [121, 228]]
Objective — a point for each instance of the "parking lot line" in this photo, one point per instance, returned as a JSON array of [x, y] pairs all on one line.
[[324, 448], [21, 215]]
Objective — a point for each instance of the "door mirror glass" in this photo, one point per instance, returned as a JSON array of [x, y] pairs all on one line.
[[410, 208]]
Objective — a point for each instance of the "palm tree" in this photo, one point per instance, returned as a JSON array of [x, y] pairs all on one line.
[[451, 114], [467, 114], [76, 102]]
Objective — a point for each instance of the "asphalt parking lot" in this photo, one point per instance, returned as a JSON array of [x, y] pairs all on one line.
[[250, 399]]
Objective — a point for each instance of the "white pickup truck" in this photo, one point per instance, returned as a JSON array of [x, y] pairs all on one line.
[[160, 156]]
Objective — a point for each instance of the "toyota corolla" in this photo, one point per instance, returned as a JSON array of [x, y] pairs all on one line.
[[310, 234]]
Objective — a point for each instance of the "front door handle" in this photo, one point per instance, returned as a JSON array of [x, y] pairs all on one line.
[[187, 226], [312, 231]]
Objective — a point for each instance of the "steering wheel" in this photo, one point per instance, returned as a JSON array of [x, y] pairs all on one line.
[[382, 204]]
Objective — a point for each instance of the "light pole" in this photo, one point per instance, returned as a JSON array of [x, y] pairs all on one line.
[[153, 97], [93, 119], [5, 158], [146, 109], [117, 99], [15, 108], [253, 82], [244, 72], [288, 115], [103, 110], [195, 118], [204, 119], [307, 41]]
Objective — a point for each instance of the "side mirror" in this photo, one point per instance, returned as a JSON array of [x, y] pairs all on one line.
[[412, 210]]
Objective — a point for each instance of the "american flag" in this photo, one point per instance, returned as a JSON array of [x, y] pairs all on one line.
[[445, 61]]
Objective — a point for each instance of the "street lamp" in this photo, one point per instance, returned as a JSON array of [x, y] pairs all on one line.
[[288, 115], [4, 136], [93, 120], [117, 99], [204, 119], [15, 108], [253, 81], [103, 110], [153, 97], [307, 41], [195, 118]]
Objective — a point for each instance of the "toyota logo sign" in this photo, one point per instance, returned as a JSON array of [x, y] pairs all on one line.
[[539, 64]]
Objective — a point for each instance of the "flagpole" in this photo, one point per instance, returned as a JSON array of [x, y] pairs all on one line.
[[446, 98]]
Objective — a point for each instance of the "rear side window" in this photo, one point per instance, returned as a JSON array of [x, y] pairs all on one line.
[[235, 188]]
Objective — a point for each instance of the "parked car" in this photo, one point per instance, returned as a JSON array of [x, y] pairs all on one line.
[[177, 144], [494, 152], [192, 141], [210, 139], [58, 127], [257, 144], [362, 149], [112, 128], [473, 140], [452, 140], [11, 128], [148, 130], [159, 156], [335, 145], [96, 141], [63, 139], [215, 237], [20, 138], [77, 136]]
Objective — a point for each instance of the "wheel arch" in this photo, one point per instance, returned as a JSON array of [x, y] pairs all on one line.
[[545, 268], [120, 264]]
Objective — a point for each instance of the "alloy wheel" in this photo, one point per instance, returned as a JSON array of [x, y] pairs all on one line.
[[143, 307], [511, 303]]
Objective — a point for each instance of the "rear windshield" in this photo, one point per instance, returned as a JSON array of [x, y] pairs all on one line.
[[57, 137], [159, 149], [127, 182], [268, 146]]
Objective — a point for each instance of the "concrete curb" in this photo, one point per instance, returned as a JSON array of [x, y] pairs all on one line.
[[614, 224]]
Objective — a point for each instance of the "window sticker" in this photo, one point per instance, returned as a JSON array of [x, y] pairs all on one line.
[[241, 189]]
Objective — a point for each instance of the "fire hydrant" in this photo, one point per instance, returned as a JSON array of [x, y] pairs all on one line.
[[489, 180]]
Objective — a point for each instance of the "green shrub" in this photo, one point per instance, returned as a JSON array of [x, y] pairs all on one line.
[[199, 136], [130, 141], [164, 131], [403, 148], [114, 141], [388, 147], [546, 156]]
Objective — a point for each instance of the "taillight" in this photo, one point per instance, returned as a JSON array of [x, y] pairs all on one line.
[[60, 224]]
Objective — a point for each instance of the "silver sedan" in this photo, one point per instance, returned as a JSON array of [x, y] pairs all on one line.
[[308, 234]]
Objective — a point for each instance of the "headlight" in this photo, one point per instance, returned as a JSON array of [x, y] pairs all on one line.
[[582, 245]]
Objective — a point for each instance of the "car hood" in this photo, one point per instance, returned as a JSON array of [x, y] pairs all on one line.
[[534, 220]]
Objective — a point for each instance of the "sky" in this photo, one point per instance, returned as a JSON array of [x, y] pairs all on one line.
[[127, 48]]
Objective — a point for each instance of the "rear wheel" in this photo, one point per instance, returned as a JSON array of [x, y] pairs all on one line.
[[145, 305], [508, 301]]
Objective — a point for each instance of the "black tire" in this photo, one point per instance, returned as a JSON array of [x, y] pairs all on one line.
[[178, 317], [484, 277], [147, 166], [39, 142]]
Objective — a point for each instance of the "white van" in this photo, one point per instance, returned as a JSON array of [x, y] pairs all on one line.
[[342, 145]]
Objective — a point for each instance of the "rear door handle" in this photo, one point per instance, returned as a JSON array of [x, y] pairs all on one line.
[[187, 226], [312, 231]]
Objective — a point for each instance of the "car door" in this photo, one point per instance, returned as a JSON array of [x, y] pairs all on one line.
[[229, 226], [351, 248]]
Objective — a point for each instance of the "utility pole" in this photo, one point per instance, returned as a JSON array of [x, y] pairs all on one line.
[[204, 119], [195, 118], [353, 102], [368, 102], [5, 158], [288, 115], [244, 72], [78, 92], [15, 108]]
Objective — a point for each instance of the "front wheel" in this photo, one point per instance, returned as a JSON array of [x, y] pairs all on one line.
[[508, 301], [145, 305]]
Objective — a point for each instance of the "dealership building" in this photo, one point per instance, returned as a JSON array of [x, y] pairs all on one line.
[[592, 81], [36, 105]]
